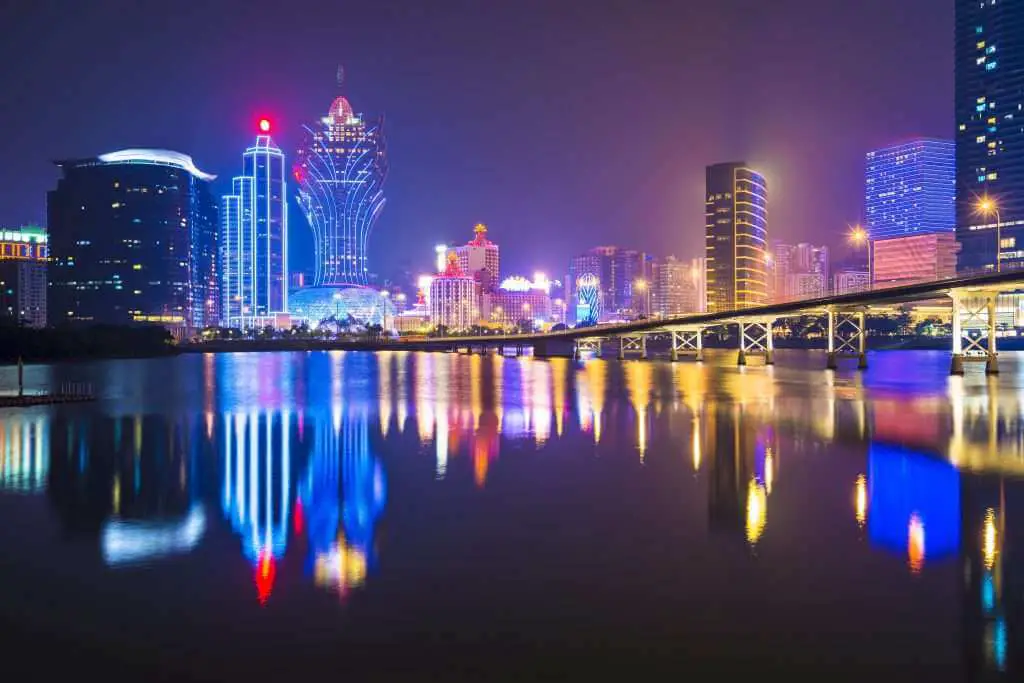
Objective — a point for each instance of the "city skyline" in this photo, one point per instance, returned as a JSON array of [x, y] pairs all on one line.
[[463, 159]]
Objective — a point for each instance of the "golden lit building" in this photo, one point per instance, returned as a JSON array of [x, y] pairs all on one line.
[[736, 237]]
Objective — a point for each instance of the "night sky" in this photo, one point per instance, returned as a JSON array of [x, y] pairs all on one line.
[[562, 125]]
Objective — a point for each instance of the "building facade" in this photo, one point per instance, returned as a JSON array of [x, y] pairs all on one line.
[[736, 237], [799, 271], [481, 259], [454, 300], [989, 69], [626, 278], [917, 258], [254, 237], [518, 299], [23, 258], [677, 287], [849, 281], [909, 189], [340, 170], [133, 238]]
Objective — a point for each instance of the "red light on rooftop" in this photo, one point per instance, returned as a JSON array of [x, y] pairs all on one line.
[[264, 125]]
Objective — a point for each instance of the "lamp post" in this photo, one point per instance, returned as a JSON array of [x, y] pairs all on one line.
[[384, 308], [642, 286], [986, 207], [858, 237]]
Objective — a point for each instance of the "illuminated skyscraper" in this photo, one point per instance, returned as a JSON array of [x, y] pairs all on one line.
[[133, 238], [454, 298], [989, 68], [625, 276], [254, 219], [340, 169], [480, 258], [909, 189], [736, 237]]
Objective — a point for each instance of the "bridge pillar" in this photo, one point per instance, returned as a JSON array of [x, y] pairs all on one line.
[[847, 336], [687, 342], [588, 344], [974, 330], [756, 339], [632, 343]]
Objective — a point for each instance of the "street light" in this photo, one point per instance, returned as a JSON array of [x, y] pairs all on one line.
[[642, 286], [384, 307], [987, 206], [858, 237]]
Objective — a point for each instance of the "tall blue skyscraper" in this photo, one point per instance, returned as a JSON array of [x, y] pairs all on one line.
[[341, 168], [909, 189], [989, 71], [255, 236]]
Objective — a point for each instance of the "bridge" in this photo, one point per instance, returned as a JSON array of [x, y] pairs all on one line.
[[972, 298]]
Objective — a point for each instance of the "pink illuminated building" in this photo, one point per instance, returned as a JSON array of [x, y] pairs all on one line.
[[915, 258], [479, 258]]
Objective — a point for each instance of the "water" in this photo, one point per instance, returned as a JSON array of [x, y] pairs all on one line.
[[400, 516]]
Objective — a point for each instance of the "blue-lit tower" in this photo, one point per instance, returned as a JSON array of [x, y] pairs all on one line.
[[989, 106], [909, 189], [255, 236], [340, 169]]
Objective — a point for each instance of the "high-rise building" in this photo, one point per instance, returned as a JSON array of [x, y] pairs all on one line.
[[736, 237], [340, 170], [518, 299], [916, 258], [480, 258], [254, 236], [800, 271], [849, 281], [989, 69], [678, 287], [909, 189], [625, 276], [133, 238], [23, 258], [454, 298]]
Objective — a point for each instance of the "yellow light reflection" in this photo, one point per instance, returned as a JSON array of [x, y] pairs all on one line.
[[757, 510], [860, 500], [696, 443], [638, 382], [559, 382], [989, 539], [769, 471], [341, 568], [595, 381], [915, 544]]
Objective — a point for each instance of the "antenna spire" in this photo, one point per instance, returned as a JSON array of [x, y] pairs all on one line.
[[340, 76]]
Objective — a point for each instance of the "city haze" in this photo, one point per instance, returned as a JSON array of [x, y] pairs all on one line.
[[561, 125]]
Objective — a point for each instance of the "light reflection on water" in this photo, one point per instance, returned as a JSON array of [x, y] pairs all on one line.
[[296, 455]]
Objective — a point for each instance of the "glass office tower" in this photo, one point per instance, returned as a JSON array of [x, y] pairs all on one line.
[[989, 71], [133, 239]]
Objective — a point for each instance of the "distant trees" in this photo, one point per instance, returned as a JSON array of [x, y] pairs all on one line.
[[98, 341]]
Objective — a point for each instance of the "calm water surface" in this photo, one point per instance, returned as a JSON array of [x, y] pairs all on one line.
[[399, 516]]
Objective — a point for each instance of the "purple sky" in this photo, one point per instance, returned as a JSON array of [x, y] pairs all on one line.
[[560, 124]]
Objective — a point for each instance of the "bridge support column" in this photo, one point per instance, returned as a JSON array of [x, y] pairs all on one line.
[[687, 342], [632, 343], [588, 344], [974, 330], [847, 336], [756, 339]]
